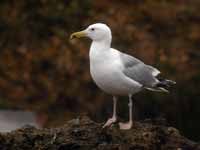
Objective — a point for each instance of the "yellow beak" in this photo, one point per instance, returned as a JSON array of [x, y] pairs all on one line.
[[78, 35]]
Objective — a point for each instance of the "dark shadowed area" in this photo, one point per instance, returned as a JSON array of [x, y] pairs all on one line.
[[44, 73]]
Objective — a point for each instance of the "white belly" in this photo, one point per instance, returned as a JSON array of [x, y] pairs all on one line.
[[106, 71], [110, 79]]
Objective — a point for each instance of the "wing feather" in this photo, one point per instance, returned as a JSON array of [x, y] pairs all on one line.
[[138, 71]]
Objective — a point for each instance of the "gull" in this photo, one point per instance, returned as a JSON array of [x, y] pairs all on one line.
[[117, 73]]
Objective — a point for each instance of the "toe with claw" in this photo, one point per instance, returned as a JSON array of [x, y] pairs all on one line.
[[109, 122]]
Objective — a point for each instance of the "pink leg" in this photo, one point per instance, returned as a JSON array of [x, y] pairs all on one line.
[[128, 125], [112, 120]]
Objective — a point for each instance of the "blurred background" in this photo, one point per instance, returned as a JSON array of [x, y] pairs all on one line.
[[45, 79]]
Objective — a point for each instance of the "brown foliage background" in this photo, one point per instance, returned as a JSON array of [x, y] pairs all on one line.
[[41, 70]]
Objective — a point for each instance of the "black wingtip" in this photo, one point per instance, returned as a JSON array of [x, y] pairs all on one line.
[[165, 83]]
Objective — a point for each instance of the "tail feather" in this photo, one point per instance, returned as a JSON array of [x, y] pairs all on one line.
[[162, 85], [159, 89]]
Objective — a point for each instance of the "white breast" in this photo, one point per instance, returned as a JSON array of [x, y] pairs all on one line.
[[106, 71]]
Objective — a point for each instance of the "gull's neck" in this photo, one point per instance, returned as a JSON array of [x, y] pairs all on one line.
[[100, 45], [99, 49]]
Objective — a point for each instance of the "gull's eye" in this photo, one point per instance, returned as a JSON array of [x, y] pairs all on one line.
[[92, 29]]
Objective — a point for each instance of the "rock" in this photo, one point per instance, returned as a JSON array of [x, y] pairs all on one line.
[[85, 134]]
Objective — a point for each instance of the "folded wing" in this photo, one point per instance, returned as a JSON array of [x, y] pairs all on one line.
[[138, 71]]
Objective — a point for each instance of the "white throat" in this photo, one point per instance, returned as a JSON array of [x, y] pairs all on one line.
[[99, 49]]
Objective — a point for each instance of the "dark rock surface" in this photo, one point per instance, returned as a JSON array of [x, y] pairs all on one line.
[[84, 134]]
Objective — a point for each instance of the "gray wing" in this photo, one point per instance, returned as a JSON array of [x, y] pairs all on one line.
[[138, 71]]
